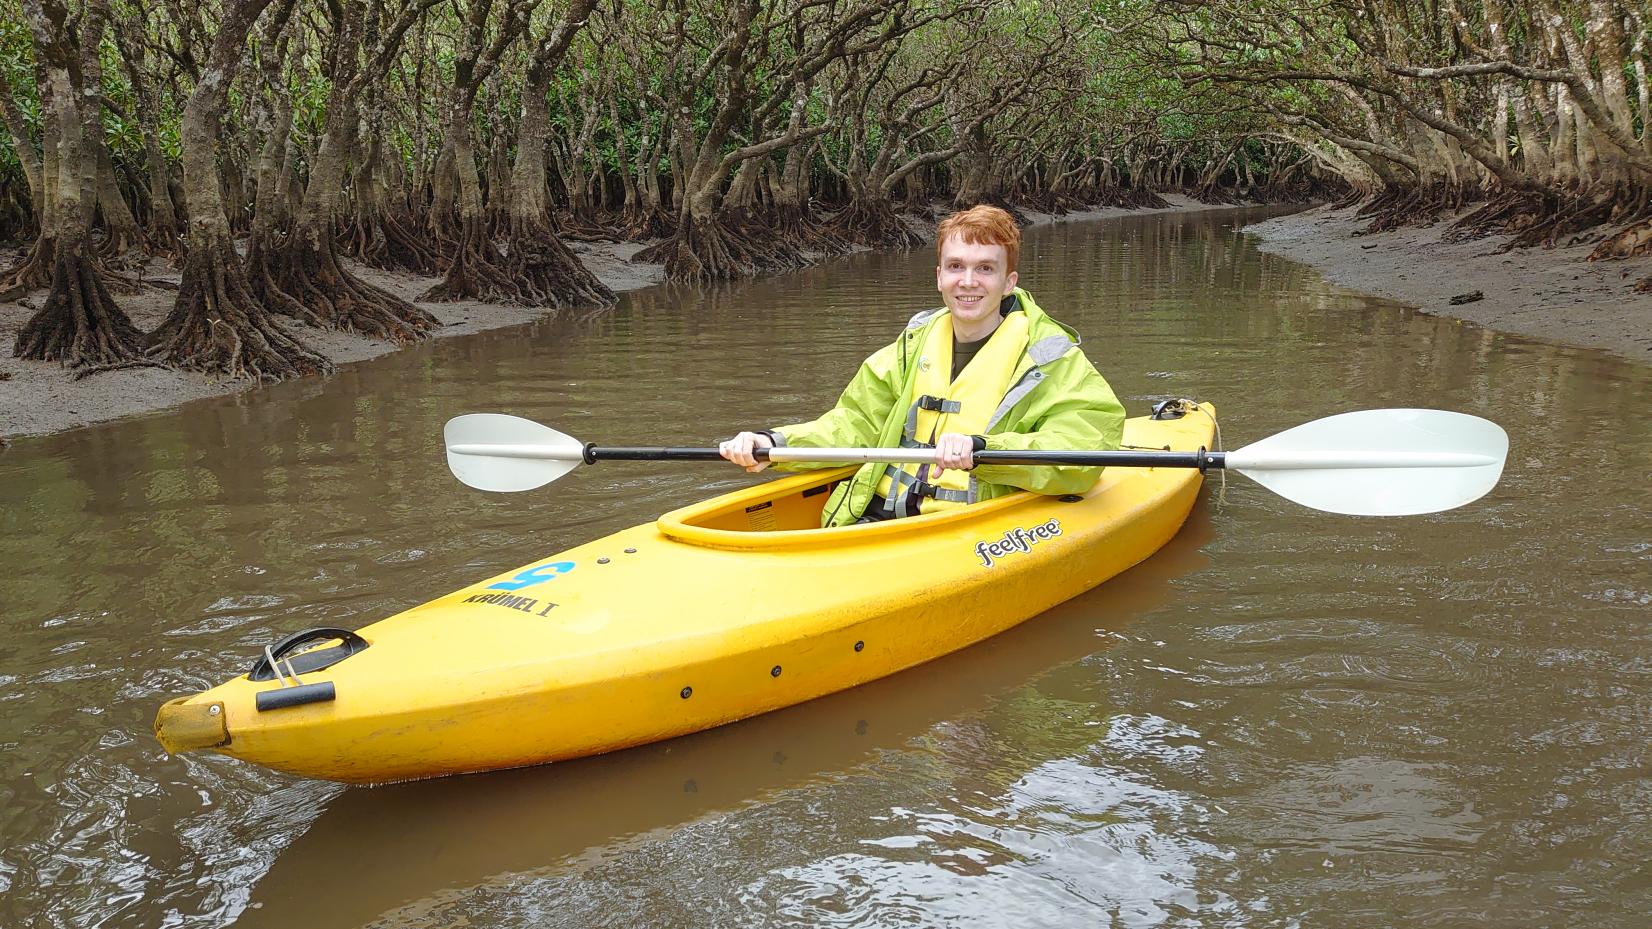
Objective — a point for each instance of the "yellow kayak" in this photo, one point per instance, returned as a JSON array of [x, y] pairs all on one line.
[[712, 613]]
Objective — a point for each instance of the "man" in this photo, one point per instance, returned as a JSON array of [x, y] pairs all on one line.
[[990, 370]]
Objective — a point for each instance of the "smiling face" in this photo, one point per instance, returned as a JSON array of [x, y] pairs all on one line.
[[973, 279]]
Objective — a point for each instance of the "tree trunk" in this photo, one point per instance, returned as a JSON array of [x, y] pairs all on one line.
[[380, 232], [35, 269], [163, 227], [303, 277], [121, 230], [79, 325], [218, 324], [529, 202], [162, 231], [17, 127], [530, 266], [649, 219]]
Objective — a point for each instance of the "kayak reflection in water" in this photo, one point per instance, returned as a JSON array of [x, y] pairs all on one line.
[[989, 370]]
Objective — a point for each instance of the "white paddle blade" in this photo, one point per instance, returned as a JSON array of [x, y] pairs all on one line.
[[1380, 462], [494, 451]]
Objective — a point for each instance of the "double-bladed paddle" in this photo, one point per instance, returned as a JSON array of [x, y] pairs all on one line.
[[1369, 463]]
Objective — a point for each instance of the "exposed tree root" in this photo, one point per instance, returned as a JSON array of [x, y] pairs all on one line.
[[1130, 198], [163, 240], [303, 279], [121, 247], [156, 283], [1044, 201], [383, 240], [218, 325], [1634, 240], [79, 325], [123, 275], [33, 272], [583, 228], [702, 252], [1508, 212], [1414, 206], [804, 230], [85, 373], [1305, 190], [644, 223], [1097, 196], [1353, 196], [1214, 193], [17, 219], [874, 224], [533, 269], [1532, 218]]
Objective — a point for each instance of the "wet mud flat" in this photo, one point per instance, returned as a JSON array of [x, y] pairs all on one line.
[[1550, 293]]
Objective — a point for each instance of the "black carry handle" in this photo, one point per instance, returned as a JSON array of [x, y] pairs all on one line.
[[350, 644], [282, 697]]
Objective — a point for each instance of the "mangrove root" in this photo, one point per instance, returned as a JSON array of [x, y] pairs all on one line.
[[79, 325], [645, 223], [381, 239], [874, 224], [219, 326], [85, 373], [584, 228], [707, 251], [1625, 243], [533, 269], [302, 278], [33, 271], [1414, 206], [1532, 218]]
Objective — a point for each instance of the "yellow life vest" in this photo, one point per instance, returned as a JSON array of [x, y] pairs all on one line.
[[940, 404]]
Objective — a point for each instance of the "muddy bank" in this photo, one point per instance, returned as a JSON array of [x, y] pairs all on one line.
[[41, 397], [1552, 294]]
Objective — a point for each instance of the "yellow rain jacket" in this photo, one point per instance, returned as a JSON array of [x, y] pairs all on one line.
[[1050, 398]]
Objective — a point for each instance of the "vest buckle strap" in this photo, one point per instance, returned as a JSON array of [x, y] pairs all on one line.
[[938, 404], [922, 488], [904, 504]]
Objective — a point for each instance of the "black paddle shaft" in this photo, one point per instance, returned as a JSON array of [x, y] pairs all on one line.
[[1200, 459]]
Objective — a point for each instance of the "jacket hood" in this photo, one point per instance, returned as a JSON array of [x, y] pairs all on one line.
[[1040, 325]]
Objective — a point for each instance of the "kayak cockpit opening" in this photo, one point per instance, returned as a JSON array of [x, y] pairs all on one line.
[[790, 503], [785, 514]]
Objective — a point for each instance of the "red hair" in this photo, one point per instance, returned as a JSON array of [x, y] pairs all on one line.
[[982, 225]]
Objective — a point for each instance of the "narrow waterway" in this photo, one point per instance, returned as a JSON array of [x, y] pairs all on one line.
[[1284, 718]]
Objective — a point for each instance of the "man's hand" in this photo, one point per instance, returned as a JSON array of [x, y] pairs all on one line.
[[954, 451], [739, 450]]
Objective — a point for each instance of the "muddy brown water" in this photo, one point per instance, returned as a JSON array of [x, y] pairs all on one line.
[[1284, 718]]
